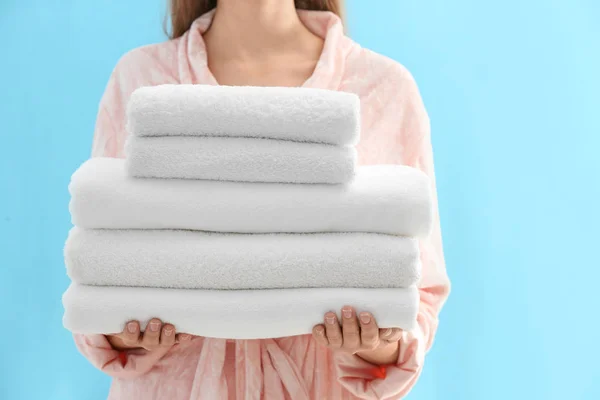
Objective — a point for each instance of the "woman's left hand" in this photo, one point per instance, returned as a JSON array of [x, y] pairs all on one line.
[[360, 335]]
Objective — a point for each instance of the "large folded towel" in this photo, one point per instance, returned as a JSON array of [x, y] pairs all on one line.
[[201, 260], [239, 159], [239, 314], [300, 114], [381, 199]]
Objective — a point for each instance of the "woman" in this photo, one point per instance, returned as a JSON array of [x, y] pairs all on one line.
[[276, 43]]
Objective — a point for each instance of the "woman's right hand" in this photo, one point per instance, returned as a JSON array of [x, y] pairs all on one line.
[[156, 335]]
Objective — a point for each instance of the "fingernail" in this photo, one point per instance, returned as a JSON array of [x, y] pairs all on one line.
[[184, 337], [347, 312], [320, 330], [132, 327], [154, 326], [365, 318], [168, 331], [387, 332], [330, 319]]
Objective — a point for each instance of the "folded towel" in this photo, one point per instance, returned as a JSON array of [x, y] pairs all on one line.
[[237, 314], [239, 159], [300, 114], [201, 260], [381, 199]]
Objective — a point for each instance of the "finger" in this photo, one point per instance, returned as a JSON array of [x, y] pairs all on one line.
[[131, 333], [167, 337], [390, 334], [319, 335], [350, 329], [396, 335], [369, 332], [183, 338], [151, 337], [333, 331]]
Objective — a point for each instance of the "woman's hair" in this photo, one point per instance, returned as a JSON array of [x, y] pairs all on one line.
[[184, 12]]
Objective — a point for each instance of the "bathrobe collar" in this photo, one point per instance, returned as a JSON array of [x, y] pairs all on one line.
[[193, 60]]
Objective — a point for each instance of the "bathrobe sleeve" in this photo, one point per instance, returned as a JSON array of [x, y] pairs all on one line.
[[412, 143], [109, 133]]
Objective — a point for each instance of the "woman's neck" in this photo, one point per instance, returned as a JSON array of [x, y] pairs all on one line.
[[249, 29]]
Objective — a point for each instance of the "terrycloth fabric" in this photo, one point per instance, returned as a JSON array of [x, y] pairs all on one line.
[[395, 130], [239, 159], [231, 314], [381, 199], [300, 114], [200, 260]]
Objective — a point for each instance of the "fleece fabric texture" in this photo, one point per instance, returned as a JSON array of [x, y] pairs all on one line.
[[239, 159], [231, 314], [202, 260], [381, 199], [299, 114]]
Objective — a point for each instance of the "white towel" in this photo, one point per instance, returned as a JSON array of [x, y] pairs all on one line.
[[380, 199], [240, 314], [299, 114], [239, 159], [200, 260]]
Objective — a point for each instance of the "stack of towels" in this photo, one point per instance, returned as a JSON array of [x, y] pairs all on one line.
[[239, 213]]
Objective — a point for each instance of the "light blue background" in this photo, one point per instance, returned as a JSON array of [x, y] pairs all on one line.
[[512, 89]]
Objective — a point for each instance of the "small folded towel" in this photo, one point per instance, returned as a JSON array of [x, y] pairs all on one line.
[[239, 159], [237, 314], [299, 114], [201, 260], [381, 199]]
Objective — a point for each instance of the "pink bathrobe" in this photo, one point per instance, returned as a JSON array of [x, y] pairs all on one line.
[[395, 129]]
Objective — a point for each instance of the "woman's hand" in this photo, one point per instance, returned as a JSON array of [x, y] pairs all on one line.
[[360, 336], [157, 335]]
